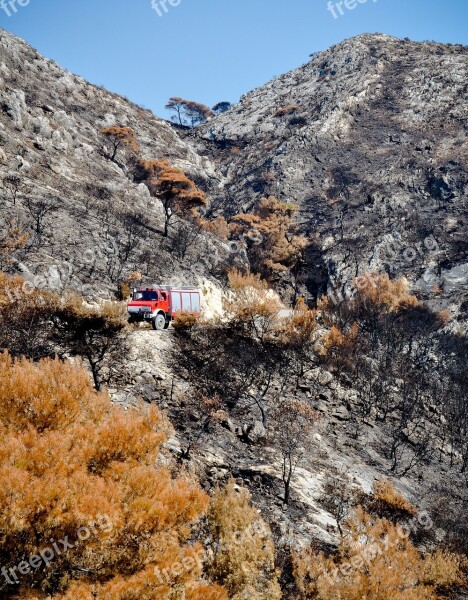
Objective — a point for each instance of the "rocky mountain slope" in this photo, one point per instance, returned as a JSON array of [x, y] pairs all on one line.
[[96, 222], [370, 140]]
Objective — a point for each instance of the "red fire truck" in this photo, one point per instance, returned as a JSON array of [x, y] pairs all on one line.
[[160, 304]]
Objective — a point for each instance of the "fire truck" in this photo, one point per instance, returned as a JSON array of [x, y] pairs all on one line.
[[160, 304]]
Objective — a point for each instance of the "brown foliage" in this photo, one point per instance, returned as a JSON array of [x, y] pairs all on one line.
[[374, 295], [25, 312], [269, 232], [390, 500], [217, 227], [177, 192], [375, 560], [13, 239], [185, 321], [37, 323], [384, 293], [339, 347], [125, 287], [286, 110], [244, 558], [335, 338], [252, 306], [298, 335], [124, 290], [299, 330], [241, 281], [119, 136], [92, 332], [71, 460], [188, 111]]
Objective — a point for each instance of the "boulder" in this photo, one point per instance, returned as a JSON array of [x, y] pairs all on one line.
[[325, 378]]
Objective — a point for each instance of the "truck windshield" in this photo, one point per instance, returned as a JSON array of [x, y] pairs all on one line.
[[145, 295]]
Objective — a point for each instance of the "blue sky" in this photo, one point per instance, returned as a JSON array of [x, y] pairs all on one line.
[[212, 50]]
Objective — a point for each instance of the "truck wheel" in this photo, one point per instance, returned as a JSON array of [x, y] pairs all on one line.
[[167, 323], [159, 322]]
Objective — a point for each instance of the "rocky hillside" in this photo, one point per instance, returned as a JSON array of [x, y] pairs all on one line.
[[370, 140], [89, 221]]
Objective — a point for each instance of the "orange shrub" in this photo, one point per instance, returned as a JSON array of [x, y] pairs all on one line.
[[381, 291], [86, 510], [245, 556], [375, 560], [119, 136], [185, 321], [336, 339], [390, 499], [275, 246], [177, 192], [253, 305], [14, 238], [286, 110], [217, 227]]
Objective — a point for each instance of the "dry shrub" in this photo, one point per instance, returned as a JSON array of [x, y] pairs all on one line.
[[444, 316], [124, 290], [287, 110], [381, 291], [240, 281], [13, 239], [244, 553], [339, 347], [119, 136], [185, 321], [253, 306], [389, 500], [217, 227], [442, 568], [375, 560], [298, 335], [37, 323], [300, 328], [334, 338], [374, 295], [126, 286], [95, 333], [25, 317], [70, 460], [276, 248]]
